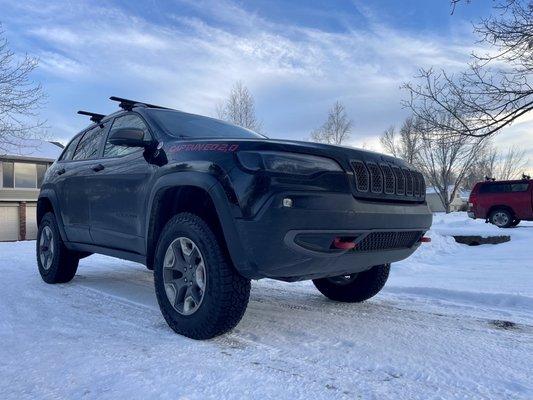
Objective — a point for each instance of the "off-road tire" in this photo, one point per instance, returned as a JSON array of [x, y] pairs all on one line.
[[64, 263], [359, 288], [496, 219], [226, 292]]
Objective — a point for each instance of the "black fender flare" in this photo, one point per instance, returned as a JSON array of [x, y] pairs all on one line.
[[223, 210], [50, 195]]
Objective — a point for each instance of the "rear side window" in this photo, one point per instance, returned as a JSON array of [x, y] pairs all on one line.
[[495, 188], [504, 187], [125, 121], [519, 187], [69, 150], [89, 144]]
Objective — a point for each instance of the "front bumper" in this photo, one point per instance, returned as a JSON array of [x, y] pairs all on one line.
[[274, 246], [471, 215]]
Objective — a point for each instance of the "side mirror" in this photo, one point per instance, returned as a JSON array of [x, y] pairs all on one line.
[[128, 137]]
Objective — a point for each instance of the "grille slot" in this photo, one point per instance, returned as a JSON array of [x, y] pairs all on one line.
[[388, 176], [376, 241], [416, 181], [361, 176], [400, 181], [408, 182], [376, 179]]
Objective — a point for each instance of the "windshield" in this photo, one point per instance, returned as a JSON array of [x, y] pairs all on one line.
[[183, 125]]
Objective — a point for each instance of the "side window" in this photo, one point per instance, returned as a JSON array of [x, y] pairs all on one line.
[[89, 144], [69, 150], [125, 121], [496, 188], [519, 187]]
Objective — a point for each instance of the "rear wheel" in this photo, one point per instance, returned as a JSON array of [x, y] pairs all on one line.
[[199, 292], [57, 264], [354, 288], [515, 222], [502, 218]]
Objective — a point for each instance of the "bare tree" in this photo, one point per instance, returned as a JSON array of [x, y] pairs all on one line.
[[445, 161], [491, 163], [239, 108], [496, 87], [336, 129], [406, 144], [20, 99], [511, 164]]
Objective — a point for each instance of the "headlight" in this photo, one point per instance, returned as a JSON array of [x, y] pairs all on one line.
[[286, 163]]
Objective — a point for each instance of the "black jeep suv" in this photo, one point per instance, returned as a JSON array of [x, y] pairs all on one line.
[[209, 206]]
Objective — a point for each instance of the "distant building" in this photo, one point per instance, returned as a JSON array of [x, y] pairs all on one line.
[[22, 170], [458, 203]]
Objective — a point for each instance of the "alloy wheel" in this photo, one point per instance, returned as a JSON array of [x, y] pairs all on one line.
[[184, 276], [46, 247], [501, 218]]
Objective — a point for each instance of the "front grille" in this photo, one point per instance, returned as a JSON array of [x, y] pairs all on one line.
[[386, 181], [376, 241]]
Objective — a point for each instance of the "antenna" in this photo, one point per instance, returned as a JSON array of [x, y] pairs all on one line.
[[96, 118], [127, 104]]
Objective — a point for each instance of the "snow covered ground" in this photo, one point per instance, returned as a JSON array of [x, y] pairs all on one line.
[[436, 331]]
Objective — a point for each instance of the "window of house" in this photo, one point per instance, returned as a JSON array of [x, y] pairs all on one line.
[[21, 175], [125, 121], [41, 170], [89, 144], [7, 174], [25, 176]]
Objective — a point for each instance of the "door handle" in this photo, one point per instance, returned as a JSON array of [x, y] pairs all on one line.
[[61, 171], [97, 167]]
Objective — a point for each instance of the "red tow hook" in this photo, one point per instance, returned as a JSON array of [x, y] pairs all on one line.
[[425, 239], [338, 243]]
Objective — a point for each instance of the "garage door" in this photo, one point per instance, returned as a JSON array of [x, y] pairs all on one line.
[[31, 224], [9, 222]]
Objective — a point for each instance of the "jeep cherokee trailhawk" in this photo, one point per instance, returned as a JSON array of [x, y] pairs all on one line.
[[209, 206]]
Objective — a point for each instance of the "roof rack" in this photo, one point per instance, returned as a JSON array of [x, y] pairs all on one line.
[[96, 118], [127, 104]]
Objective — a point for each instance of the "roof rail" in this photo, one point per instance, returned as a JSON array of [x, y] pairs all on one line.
[[127, 104], [96, 118]]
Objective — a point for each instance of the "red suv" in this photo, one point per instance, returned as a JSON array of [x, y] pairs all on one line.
[[502, 203]]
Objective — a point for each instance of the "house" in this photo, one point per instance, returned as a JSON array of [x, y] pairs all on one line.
[[458, 203], [22, 169]]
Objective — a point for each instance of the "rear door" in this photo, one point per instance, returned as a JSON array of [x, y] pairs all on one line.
[[520, 199], [72, 183], [119, 190]]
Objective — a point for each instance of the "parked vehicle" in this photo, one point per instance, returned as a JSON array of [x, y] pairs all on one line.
[[209, 206], [502, 203]]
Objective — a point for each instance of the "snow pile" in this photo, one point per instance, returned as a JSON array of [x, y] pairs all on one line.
[[453, 322]]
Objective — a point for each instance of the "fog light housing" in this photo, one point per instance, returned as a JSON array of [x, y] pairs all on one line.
[[287, 202]]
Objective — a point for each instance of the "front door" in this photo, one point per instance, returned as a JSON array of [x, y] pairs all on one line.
[[118, 192]]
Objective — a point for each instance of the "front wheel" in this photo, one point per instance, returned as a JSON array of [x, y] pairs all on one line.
[[354, 288], [515, 222], [199, 292], [57, 264]]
